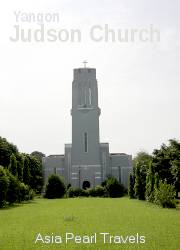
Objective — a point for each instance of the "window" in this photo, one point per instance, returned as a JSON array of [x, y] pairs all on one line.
[[90, 96], [85, 142]]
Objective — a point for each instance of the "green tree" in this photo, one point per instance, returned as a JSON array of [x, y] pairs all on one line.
[[114, 188], [55, 187], [36, 177], [175, 170], [150, 183], [38, 155], [6, 150], [26, 170], [142, 158], [156, 181], [131, 186], [13, 165], [165, 195], [139, 185], [13, 189], [20, 166], [4, 183], [164, 158]]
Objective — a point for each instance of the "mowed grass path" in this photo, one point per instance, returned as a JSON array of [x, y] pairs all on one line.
[[20, 225]]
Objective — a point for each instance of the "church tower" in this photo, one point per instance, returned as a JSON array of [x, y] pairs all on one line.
[[87, 162], [85, 119]]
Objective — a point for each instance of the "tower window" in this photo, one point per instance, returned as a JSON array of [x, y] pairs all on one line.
[[85, 142], [90, 97]]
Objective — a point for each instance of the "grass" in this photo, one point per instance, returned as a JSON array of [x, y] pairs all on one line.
[[20, 224]]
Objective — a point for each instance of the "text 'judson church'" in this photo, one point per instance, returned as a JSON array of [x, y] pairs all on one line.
[[87, 162]]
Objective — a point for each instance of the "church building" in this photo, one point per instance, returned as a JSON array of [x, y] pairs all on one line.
[[87, 162]]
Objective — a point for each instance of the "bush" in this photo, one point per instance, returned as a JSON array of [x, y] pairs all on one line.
[[114, 188], [165, 195], [23, 192], [31, 194], [76, 192], [13, 189], [4, 183], [55, 187], [98, 191]]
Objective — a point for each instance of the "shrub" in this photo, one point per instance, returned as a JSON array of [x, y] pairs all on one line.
[[31, 194], [165, 195], [23, 192], [114, 188], [55, 187], [76, 192], [13, 189], [4, 183], [98, 191]]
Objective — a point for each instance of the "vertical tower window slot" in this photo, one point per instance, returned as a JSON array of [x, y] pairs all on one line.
[[90, 97], [85, 142]]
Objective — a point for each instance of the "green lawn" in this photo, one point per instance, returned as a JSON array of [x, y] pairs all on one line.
[[20, 224]]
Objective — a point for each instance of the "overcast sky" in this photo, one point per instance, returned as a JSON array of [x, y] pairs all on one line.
[[139, 82]]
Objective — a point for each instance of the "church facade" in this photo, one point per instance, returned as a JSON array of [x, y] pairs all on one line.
[[87, 162]]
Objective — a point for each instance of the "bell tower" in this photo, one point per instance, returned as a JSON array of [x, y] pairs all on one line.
[[85, 118]]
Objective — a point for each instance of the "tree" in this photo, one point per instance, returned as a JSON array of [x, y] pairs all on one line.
[[26, 170], [164, 158], [13, 189], [38, 155], [36, 178], [138, 187], [165, 195], [6, 150], [175, 170], [142, 158], [20, 166], [4, 183], [150, 183], [156, 181], [114, 188], [13, 165], [131, 186], [55, 187]]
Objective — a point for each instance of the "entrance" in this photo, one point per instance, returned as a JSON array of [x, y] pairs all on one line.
[[86, 185]]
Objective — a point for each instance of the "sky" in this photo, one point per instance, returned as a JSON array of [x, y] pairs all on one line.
[[138, 81]]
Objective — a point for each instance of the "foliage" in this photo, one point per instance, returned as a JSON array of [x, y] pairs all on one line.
[[98, 191], [13, 189], [114, 188], [6, 150], [156, 181], [13, 165], [26, 170], [150, 183], [131, 186], [55, 187], [139, 184], [23, 192], [20, 166], [35, 171], [38, 155], [4, 183], [76, 192], [142, 158], [175, 171], [165, 195], [165, 158]]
